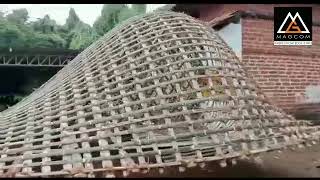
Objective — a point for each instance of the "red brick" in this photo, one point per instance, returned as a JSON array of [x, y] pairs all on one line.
[[280, 71]]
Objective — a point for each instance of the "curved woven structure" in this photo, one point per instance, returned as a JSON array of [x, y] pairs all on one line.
[[159, 90]]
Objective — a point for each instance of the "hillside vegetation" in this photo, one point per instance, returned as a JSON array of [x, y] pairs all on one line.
[[19, 35], [16, 32]]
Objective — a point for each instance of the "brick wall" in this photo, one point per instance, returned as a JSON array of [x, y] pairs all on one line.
[[282, 72]]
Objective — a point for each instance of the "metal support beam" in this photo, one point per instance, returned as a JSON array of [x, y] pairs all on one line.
[[35, 60]]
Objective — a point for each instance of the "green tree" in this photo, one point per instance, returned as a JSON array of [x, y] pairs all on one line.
[[139, 8], [126, 13], [47, 41], [45, 34], [64, 33], [45, 25], [1, 15], [112, 14], [10, 35], [72, 19], [18, 16], [109, 18], [82, 36], [16, 32], [135, 9], [77, 34], [28, 34]]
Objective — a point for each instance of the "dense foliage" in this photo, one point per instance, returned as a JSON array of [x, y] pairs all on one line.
[[19, 35], [112, 14], [17, 32]]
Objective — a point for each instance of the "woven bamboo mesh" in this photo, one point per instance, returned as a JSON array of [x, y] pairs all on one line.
[[159, 90]]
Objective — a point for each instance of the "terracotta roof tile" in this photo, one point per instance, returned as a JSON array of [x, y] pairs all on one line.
[[225, 18]]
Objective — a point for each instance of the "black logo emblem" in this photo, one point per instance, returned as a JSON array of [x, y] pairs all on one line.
[[293, 26]]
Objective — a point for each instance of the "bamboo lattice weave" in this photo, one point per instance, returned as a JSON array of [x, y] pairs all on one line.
[[159, 90]]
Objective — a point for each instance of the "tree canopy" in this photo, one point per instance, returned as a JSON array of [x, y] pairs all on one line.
[[17, 32], [20, 35], [112, 14], [19, 16], [72, 19]]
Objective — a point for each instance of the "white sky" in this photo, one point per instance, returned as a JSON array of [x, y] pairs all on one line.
[[59, 12]]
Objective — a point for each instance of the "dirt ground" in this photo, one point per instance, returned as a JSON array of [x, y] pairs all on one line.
[[289, 163]]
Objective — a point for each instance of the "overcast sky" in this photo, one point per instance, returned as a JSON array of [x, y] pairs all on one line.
[[59, 12]]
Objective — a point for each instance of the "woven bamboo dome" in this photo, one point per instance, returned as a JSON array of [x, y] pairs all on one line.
[[159, 90]]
